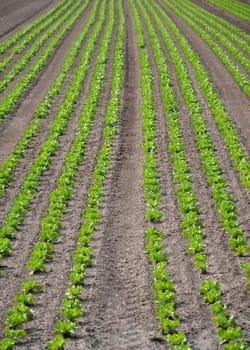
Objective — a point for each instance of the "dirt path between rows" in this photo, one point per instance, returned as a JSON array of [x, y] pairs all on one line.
[[118, 311]]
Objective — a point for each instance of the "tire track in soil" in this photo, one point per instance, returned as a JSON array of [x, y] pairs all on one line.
[[56, 281], [34, 148], [236, 103], [195, 316], [17, 120], [118, 303], [18, 14], [224, 15], [223, 265], [16, 270]]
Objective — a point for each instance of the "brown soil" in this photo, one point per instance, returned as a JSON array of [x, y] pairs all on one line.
[[118, 301], [17, 120], [40, 201], [235, 101], [118, 313], [16, 14], [225, 15]]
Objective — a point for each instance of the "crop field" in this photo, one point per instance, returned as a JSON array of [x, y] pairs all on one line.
[[125, 174]]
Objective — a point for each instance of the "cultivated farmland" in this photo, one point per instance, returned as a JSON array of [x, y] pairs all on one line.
[[125, 174]]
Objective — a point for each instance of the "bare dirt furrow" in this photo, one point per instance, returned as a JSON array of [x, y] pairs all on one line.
[[39, 205], [234, 100], [223, 14], [16, 14], [195, 316], [18, 119], [223, 265], [118, 311]]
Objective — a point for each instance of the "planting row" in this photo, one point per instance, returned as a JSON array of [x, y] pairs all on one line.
[[59, 198], [210, 164], [201, 24], [11, 99], [72, 306], [231, 32], [21, 203], [165, 295], [12, 74], [235, 7], [225, 126], [4, 46], [240, 77], [8, 167], [228, 329], [30, 38]]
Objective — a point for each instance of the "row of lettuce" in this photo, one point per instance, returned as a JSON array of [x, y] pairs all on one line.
[[225, 126], [60, 29], [217, 25], [24, 31], [236, 8], [225, 203], [210, 163], [27, 40], [59, 198], [228, 53], [8, 167], [20, 206], [72, 307], [165, 294], [154, 21], [228, 330]]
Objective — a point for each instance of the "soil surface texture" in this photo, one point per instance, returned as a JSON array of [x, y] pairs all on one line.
[[119, 311]]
